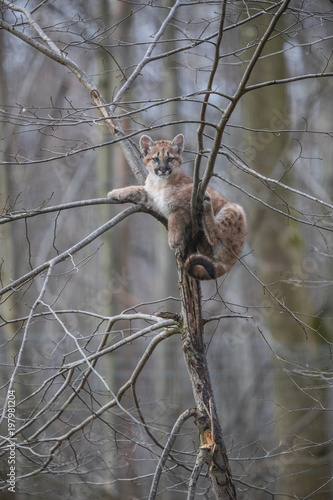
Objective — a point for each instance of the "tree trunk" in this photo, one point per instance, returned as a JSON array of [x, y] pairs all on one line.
[[210, 432]]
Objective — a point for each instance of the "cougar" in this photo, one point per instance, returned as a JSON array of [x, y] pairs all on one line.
[[168, 191]]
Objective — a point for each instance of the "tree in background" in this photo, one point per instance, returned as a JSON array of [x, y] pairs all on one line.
[[89, 345]]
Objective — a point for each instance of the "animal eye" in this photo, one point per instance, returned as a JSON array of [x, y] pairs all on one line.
[[155, 159], [170, 159]]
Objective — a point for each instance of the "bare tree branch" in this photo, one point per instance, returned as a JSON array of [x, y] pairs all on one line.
[[99, 391], [235, 99], [167, 449], [70, 251]]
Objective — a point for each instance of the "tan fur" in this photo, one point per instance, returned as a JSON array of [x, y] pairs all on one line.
[[168, 191]]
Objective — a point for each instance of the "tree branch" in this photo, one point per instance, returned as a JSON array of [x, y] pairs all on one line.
[[71, 251], [10, 217], [167, 449], [195, 202], [268, 180], [24, 339], [146, 59], [130, 154], [236, 98], [54, 53], [292, 79], [34, 25], [199, 463], [56, 56]]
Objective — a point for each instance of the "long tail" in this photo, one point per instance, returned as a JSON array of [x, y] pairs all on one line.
[[200, 267]]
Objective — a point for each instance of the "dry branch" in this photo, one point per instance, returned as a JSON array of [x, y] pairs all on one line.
[[167, 449], [70, 251]]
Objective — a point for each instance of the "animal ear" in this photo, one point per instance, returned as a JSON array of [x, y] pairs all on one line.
[[146, 144], [178, 143]]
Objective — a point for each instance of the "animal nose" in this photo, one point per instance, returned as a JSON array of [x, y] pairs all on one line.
[[162, 169]]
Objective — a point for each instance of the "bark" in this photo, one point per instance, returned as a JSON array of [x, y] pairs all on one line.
[[219, 472]]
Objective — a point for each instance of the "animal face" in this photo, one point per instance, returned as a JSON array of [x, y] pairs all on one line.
[[162, 157]]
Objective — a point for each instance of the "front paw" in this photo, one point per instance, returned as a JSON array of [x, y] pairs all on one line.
[[114, 195], [175, 239]]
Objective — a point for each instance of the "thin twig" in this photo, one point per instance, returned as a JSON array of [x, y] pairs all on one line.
[[282, 81], [34, 25], [162, 324], [236, 98], [173, 435], [268, 180], [146, 58], [10, 217], [195, 202], [25, 337], [71, 251]]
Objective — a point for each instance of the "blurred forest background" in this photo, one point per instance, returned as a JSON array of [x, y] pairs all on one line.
[[95, 426]]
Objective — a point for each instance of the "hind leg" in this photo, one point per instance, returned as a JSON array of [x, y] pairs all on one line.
[[227, 226]]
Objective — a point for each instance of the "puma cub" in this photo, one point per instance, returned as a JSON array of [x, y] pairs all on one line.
[[168, 191]]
